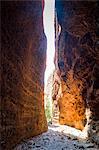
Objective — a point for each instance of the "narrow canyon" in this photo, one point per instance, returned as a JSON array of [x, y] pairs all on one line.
[[72, 88]]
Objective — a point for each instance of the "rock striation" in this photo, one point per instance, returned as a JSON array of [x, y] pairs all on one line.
[[77, 60], [23, 64]]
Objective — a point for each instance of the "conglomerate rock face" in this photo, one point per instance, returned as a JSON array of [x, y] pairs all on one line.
[[77, 48], [23, 65]]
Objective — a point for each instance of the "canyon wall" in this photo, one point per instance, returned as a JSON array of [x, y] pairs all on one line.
[[77, 61], [23, 60]]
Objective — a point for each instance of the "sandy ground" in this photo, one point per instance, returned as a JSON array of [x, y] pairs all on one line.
[[58, 138]]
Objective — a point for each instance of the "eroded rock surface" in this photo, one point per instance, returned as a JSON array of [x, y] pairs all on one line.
[[77, 48], [23, 65]]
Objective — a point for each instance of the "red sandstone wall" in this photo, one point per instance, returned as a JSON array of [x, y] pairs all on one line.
[[23, 65], [77, 51]]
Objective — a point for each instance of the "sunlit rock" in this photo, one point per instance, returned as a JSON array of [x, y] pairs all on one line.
[[77, 61]]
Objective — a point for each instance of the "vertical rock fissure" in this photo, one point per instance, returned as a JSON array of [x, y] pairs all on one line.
[[71, 85], [48, 18]]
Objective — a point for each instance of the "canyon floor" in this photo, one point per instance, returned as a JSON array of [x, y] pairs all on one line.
[[58, 137]]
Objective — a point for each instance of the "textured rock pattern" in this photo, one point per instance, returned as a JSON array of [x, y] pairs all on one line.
[[48, 98], [23, 65], [78, 60], [55, 96]]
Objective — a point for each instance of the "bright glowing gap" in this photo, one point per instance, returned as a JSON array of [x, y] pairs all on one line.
[[50, 34]]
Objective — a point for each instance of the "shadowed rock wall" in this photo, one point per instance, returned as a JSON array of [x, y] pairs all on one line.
[[77, 48], [23, 65]]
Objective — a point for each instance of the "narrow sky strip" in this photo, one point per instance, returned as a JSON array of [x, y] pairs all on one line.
[[48, 20]]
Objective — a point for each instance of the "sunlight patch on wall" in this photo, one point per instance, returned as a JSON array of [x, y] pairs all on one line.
[[69, 131]]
